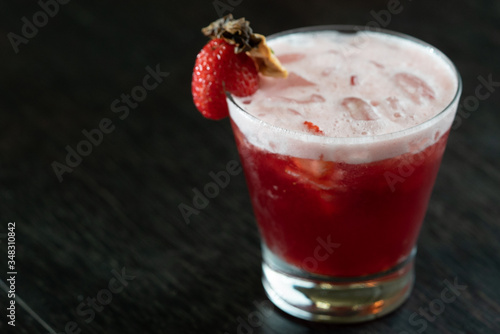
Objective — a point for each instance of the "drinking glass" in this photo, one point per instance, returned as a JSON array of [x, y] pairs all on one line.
[[339, 233]]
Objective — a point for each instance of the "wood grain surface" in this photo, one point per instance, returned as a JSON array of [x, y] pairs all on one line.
[[116, 213]]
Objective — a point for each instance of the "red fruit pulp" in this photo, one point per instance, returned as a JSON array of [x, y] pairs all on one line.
[[373, 225]]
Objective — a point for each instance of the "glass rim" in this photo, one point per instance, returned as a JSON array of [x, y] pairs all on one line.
[[354, 29]]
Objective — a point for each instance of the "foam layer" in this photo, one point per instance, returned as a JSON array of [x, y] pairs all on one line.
[[367, 93]]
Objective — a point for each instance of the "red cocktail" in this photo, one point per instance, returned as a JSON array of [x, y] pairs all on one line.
[[369, 213], [340, 160]]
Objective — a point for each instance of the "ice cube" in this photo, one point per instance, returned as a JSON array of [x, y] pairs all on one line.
[[392, 109], [359, 109], [295, 80], [293, 111], [377, 64], [416, 88], [291, 57], [275, 85], [311, 99], [327, 71], [316, 98]]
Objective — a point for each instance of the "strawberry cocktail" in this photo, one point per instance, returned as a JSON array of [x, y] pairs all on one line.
[[340, 152], [370, 226]]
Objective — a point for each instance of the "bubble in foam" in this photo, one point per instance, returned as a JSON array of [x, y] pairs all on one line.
[[366, 128], [393, 102]]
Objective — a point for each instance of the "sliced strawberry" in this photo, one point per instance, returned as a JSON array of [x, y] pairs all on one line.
[[219, 68], [315, 168], [317, 173]]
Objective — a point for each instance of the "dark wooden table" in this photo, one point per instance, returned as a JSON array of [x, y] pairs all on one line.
[[105, 248]]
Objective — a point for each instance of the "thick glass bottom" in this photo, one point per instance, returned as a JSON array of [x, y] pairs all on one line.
[[336, 300]]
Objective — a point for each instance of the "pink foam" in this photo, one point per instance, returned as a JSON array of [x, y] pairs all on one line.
[[372, 86]]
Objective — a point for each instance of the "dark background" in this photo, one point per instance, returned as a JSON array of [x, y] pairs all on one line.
[[119, 207]]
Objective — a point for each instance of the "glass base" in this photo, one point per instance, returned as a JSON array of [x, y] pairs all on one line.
[[336, 300]]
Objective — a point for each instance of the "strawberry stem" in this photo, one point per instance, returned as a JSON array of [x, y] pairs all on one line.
[[238, 33]]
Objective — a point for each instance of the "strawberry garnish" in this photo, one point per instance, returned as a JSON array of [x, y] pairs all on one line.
[[218, 68], [230, 62], [241, 76]]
